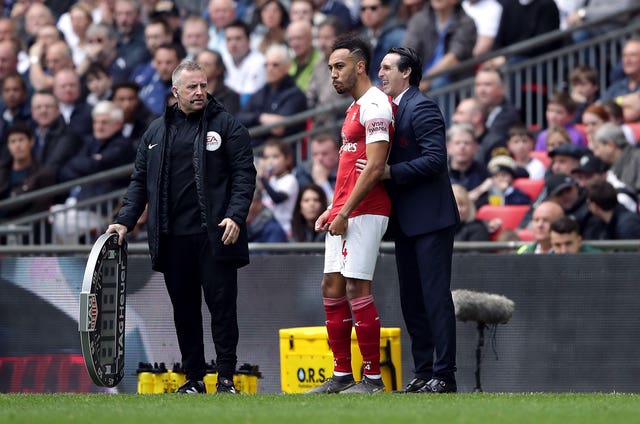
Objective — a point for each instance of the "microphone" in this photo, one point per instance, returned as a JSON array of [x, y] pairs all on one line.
[[482, 307]]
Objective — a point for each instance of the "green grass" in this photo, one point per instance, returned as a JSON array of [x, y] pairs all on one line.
[[299, 409]]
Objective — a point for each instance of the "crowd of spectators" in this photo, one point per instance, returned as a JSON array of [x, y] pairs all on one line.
[[81, 80]]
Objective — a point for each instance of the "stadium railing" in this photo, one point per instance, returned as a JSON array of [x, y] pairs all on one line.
[[546, 73], [466, 247]]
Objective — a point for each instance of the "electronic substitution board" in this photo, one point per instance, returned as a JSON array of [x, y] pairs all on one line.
[[102, 311]]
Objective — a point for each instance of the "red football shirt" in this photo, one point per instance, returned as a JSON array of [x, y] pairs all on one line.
[[368, 120]]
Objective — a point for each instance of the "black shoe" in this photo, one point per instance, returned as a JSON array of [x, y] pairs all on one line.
[[333, 384], [192, 387], [416, 385], [225, 385], [435, 385], [367, 386]]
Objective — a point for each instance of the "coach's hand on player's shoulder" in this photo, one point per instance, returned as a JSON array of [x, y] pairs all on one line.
[[120, 229], [321, 222], [362, 163]]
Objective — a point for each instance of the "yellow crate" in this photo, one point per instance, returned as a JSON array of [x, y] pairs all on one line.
[[146, 382], [244, 383], [176, 379], [306, 360], [169, 382]]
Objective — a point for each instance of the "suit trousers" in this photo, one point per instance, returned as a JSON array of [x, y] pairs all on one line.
[[424, 273], [192, 270]]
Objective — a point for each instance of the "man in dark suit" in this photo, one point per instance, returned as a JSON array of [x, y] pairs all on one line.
[[73, 108], [55, 143], [489, 89], [424, 218]]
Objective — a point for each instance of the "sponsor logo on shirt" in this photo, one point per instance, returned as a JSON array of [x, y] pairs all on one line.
[[377, 126], [349, 147]]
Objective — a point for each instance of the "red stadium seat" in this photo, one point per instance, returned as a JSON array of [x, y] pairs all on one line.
[[525, 234], [532, 188], [510, 215], [542, 156], [635, 126], [582, 129]]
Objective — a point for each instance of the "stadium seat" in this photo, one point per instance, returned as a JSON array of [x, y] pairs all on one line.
[[511, 215], [542, 156], [635, 126], [532, 188], [525, 234], [582, 129]]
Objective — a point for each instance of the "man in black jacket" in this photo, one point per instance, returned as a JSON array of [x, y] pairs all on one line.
[[490, 91], [619, 223], [137, 116], [55, 144], [105, 149], [194, 168], [278, 98]]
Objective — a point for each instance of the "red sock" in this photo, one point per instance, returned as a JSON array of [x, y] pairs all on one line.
[[367, 325], [339, 330]]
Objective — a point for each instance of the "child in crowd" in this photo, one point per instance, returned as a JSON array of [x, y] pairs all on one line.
[[584, 89], [280, 186], [99, 83], [520, 145], [556, 136], [560, 111], [20, 172], [470, 228], [501, 192]]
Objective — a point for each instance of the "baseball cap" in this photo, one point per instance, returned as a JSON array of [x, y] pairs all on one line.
[[167, 7], [568, 149], [502, 163], [590, 164], [555, 183]]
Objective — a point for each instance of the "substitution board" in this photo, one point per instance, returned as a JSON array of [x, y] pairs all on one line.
[[102, 311]]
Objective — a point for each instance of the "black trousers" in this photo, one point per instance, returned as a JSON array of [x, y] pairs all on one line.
[[424, 273], [191, 270]]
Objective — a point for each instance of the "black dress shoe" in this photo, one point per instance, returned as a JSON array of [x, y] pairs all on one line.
[[416, 385], [435, 385]]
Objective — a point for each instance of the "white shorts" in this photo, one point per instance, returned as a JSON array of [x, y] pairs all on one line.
[[355, 254]]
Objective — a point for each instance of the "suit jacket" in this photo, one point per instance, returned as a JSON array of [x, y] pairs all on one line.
[[421, 196], [115, 151], [60, 145], [81, 121], [507, 117], [286, 100]]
